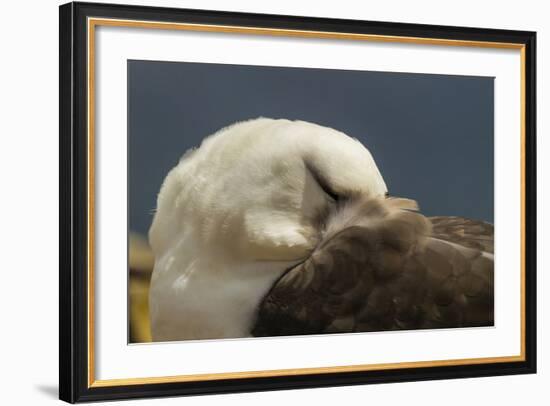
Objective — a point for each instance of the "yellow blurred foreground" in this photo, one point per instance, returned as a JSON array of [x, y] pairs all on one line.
[[141, 262]]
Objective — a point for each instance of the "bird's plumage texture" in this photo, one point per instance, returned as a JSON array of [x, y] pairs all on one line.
[[384, 266], [466, 232], [282, 227]]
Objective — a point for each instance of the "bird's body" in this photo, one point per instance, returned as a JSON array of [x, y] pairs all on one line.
[[252, 204]]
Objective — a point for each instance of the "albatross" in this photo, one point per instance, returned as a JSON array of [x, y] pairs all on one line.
[[278, 227]]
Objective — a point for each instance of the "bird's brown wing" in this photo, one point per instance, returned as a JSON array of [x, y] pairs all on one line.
[[466, 232], [384, 272]]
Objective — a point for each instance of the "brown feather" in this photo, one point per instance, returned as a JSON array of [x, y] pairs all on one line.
[[381, 265]]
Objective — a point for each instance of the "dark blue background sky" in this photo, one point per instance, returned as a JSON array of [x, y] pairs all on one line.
[[431, 135]]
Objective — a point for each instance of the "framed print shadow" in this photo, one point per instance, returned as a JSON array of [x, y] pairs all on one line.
[[257, 202]]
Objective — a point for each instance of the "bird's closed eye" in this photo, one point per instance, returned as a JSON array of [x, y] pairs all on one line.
[[323, 184]]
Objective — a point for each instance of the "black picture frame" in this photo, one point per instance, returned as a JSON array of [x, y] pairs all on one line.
[[74, 384]]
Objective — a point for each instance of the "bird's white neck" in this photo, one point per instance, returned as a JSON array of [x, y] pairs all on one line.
[[203, 296]]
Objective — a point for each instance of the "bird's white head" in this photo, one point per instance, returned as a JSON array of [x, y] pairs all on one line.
[[237, 212]]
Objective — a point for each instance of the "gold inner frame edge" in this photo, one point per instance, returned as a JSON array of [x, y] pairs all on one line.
[[93, 22]]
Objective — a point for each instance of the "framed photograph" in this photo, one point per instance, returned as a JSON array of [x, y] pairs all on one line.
[[257, 202]]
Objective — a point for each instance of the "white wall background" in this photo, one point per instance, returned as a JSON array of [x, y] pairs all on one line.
[[29, 203]]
